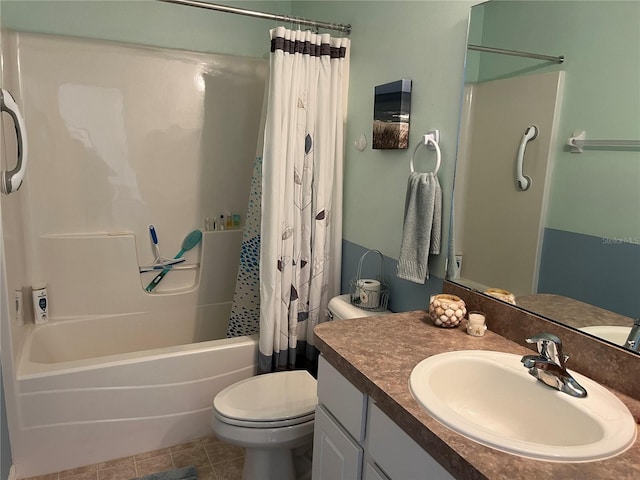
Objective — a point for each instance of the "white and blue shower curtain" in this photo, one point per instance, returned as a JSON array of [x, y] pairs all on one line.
[[301, 231], [245, 309]]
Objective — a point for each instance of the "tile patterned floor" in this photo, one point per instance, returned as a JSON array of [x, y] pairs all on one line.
[[213, 459]]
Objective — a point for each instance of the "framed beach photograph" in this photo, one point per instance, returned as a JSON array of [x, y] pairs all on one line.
[[391, 111]]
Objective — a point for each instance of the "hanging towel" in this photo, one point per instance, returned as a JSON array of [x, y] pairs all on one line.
[[422, 226]]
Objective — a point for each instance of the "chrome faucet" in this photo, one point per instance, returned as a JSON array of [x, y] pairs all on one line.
[[633, 340], [549, 365]]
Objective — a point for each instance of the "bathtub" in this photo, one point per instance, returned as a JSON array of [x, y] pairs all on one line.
[[96, 389]]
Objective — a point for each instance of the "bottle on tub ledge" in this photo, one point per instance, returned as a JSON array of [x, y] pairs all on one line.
[[19, 308], [40, 303], [223, 222]]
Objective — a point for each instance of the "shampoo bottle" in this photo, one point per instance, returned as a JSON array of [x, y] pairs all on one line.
[[40, 303], [19, 311]]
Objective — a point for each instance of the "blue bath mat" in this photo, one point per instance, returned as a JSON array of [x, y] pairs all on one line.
[[186, 473]]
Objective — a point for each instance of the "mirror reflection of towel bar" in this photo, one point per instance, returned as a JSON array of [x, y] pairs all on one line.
[[578, 142]]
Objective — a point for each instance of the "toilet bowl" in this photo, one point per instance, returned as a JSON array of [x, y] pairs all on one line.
[[272, 415], [269, 415]]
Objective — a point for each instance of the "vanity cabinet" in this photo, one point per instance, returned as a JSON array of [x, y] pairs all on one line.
[[339, 432], [354, 439]]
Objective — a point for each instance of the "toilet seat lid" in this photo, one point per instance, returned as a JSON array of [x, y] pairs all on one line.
[[269, 397]]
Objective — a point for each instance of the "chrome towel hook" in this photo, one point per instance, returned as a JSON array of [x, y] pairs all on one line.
[[432, 137]]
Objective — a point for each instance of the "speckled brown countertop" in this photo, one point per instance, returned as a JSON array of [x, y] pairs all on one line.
[[570, 311], [377, 355]]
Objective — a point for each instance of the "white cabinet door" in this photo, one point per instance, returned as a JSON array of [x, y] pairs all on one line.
[[336, 456]]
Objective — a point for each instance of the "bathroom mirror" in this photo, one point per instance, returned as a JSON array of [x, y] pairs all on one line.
[[583, 250]]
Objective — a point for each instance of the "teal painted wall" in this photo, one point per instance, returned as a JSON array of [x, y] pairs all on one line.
[[422, 41], [596, 192], [476, 24], [148, 22]]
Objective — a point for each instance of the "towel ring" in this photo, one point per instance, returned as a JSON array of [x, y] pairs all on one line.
[[428, 139]]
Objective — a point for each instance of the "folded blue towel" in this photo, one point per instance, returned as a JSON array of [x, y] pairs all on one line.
[[422, 226]]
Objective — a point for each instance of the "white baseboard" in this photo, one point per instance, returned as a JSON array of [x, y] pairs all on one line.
[[12, 473]]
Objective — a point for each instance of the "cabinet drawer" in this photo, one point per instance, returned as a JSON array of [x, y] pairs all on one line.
[[345, 402], [397, 454], [371, 472]]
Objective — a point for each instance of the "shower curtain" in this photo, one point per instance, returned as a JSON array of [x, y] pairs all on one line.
[[301, 230], [245, 309]]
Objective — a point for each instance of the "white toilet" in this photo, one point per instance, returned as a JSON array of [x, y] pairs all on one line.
[[272, 415]]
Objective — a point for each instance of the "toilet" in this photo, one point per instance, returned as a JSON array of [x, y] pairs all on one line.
[[272, 415]]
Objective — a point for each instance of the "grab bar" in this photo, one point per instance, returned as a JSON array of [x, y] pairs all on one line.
[[523, 181], [12, 180]]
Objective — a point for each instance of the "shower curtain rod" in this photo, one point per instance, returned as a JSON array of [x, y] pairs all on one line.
[[516, 53], [264, 15]]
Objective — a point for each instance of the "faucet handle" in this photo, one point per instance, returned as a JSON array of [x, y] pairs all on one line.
[[543, 339], [549, 346], [633, 339]]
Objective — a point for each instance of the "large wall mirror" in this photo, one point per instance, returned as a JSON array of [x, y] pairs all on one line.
[[567, 245]]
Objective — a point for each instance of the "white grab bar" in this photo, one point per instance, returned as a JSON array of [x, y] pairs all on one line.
[[522, 181], [12, 179]]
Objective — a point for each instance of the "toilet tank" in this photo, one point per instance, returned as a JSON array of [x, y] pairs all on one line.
[[340, 308]]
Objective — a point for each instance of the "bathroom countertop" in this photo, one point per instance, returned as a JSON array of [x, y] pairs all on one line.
[[377, 355], [570, 311]]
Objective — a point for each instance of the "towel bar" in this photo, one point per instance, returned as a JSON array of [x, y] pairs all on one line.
[[432, 137]]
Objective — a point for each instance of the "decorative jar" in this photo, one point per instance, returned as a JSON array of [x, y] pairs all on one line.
[[501, 294], [447, 310]]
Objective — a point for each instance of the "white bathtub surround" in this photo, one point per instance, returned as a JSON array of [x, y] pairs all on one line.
[[77, 291], [81, 403], [127, 136], [81, 342], [302, 195]]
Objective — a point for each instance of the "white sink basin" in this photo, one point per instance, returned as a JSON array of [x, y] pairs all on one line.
[[491, 398], [611, 333]]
